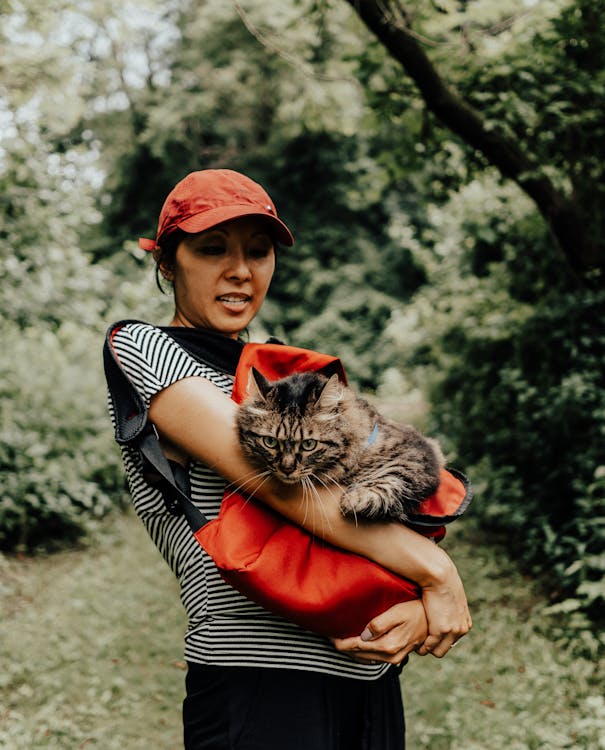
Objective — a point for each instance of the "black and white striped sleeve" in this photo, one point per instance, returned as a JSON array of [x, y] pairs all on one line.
[[153, 360]]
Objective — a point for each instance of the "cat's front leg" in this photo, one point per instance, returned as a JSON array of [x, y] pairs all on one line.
[[376, 500]]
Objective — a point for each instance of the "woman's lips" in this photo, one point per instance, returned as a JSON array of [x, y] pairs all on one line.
[[234, 302]]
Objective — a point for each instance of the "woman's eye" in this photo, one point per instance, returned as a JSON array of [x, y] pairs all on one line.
[[269, 441], [212, 249], [259, 252], [309, 444]]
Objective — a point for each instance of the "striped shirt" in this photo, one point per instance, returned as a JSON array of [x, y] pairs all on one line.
[[224, 627]]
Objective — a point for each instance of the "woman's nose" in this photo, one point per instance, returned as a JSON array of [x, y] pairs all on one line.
[[238, 267]]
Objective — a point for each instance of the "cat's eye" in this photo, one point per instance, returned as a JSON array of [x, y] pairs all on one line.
[[309, 444], [269, 441]]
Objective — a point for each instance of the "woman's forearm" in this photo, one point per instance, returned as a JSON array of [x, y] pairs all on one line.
[[194, 416], [392, 545]]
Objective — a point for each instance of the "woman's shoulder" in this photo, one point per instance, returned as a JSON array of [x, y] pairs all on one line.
[[140, 338], [152, 359], [132, 330], [148, 356]]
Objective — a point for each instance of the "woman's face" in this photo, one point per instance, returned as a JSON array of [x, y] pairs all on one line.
[[221, 276]]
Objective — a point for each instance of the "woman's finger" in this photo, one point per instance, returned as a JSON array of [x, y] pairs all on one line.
[[438, 646]]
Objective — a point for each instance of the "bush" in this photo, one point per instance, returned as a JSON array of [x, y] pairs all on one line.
[[61, 471], [511, 358], [528, 409]]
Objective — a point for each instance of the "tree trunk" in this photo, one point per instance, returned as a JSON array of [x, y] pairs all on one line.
[[569, 228]]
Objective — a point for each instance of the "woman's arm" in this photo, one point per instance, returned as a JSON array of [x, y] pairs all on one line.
[[194, 416]]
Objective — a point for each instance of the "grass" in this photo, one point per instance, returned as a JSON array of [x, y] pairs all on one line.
[[90, 643], [507, 684]]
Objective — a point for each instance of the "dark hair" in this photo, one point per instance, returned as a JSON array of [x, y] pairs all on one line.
[[165, 255]]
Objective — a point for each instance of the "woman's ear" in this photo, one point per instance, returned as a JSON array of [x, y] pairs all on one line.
[[163, 267], [166, 272]]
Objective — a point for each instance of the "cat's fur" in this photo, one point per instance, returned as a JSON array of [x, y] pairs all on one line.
[[306, 427]]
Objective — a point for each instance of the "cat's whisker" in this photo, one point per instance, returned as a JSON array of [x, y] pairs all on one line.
[[242, 481], [251, 495], [243, 486], [336, 484], [304, 482], [249, 487], [320, 505], [319, 480], [308, 490]]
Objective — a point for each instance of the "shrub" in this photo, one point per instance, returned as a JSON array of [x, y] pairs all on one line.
[[511, 358], [528, 409], [60, 469]]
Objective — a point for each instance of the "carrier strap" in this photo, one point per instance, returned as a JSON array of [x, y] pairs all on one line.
[[171, 479], [132, 427]]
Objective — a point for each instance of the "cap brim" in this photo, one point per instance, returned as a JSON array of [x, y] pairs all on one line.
[[208, 219], [148, 245]]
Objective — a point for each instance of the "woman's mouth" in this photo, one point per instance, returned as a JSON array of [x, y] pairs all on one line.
[[234, 302]]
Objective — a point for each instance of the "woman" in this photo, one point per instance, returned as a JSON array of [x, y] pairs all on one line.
[[254, 680]]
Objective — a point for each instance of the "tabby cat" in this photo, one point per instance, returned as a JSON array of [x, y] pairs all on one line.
[[310, 429]]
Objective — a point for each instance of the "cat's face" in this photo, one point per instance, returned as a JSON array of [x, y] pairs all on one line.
[[293, 426]]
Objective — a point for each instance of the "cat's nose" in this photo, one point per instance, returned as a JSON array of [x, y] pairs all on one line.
[[287, 468]]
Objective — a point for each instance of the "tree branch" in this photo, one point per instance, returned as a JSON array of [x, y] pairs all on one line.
[[560, 212], [291, 59]]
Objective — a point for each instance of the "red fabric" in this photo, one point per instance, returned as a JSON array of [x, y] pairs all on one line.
[[284, 568], [448, 498], [276, 361], [290, 572]]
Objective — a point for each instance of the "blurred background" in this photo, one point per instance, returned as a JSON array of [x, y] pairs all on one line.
[[441, 164]]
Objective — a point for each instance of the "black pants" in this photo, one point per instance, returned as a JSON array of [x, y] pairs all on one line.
[[251, 708]]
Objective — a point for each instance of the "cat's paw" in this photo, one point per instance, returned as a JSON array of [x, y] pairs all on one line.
[[363, 502]]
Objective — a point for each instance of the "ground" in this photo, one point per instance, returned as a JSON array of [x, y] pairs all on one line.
[[91, 648]]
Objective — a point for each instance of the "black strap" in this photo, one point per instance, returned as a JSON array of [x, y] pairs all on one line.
[[130, 413], [171, 478], [208, 347], [129, 409]]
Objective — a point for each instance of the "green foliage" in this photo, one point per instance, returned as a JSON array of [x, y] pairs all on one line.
[[533, 401], [408, 255], [345, 265], [548, 92], [518, 389], [60, 470], [534, 76]]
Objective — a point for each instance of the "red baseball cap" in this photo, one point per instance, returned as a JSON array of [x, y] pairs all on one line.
[[211, 196]]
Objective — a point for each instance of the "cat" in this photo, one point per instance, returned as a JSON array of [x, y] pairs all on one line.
[[308, 428]]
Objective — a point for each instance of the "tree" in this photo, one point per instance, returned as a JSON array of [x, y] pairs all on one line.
[[60, 471], [566, 201]]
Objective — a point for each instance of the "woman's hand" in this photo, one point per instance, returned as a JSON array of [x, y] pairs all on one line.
[[177, 412], [390, 637], [446, 611]]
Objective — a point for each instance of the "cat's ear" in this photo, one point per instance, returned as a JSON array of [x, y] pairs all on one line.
[[332, 393], [258, 385]]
